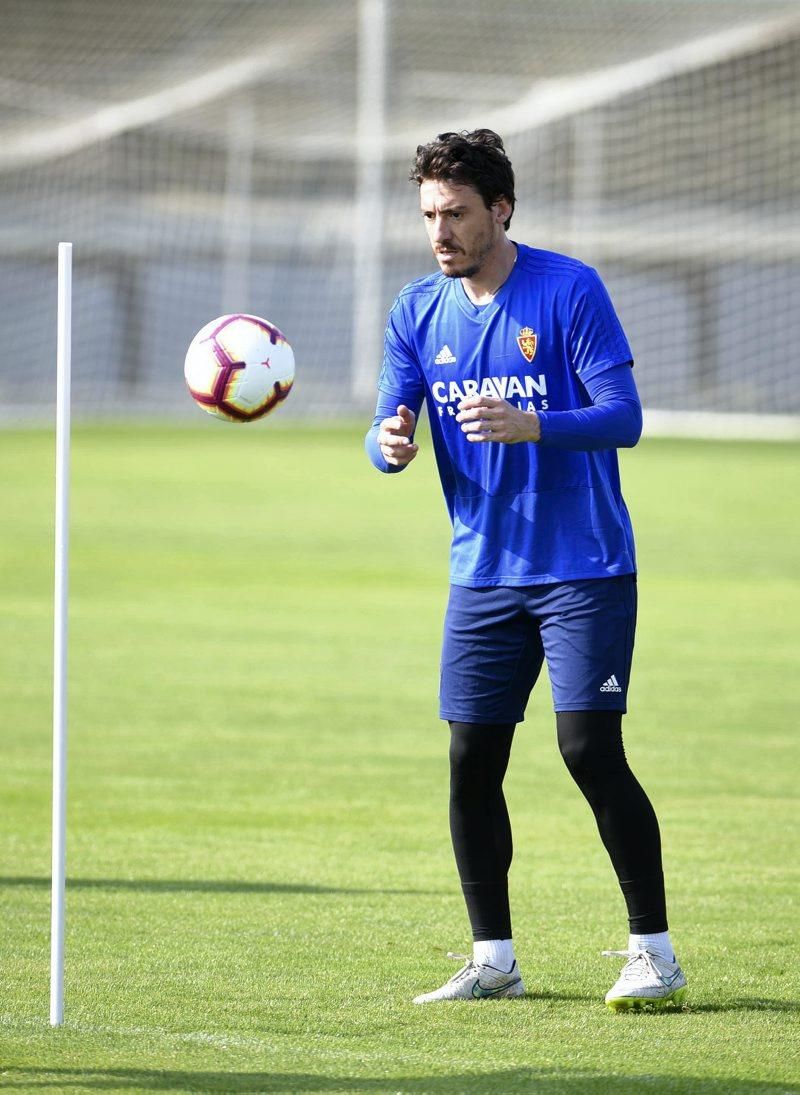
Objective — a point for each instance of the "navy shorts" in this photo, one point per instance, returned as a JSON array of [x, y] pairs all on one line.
[[496, 638]]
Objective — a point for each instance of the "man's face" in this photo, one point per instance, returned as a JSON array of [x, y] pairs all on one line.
[[461, 230]]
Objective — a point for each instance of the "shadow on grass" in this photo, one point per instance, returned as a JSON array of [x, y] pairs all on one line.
[[791, 1007], [187, 885], [507, 1080], [740, 1003]]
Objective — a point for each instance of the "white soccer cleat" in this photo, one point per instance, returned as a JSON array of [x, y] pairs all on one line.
[[476, 981], [647, 981]]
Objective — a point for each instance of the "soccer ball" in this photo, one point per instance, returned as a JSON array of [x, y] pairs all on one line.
[[239, 368]]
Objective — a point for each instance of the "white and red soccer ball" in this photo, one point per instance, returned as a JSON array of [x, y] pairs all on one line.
[[239, 368]]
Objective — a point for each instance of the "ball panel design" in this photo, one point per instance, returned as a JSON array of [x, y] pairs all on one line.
[[239, 367], [201, 371]]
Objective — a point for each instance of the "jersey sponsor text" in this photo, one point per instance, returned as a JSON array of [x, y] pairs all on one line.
[[497, 387]]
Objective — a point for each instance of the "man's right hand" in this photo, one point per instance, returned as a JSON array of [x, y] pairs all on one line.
[[394, 437]]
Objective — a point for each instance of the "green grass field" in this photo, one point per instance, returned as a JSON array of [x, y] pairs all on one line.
[[260, 875]]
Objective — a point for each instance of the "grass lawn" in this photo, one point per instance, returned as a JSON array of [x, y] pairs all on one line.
[[260, 875]]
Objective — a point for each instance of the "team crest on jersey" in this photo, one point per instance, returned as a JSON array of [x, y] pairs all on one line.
[[526, 340]]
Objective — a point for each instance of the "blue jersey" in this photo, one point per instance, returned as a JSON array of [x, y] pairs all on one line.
[[522, 514]]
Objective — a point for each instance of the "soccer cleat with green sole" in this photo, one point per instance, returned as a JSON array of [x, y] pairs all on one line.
[[647, 981]]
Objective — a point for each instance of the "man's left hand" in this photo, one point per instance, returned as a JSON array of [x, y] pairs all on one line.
[[483, 418]]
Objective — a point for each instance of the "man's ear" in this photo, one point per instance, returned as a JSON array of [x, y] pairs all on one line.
[[502, 210]]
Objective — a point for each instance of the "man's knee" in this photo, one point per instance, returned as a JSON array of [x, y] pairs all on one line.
[[478, 755], [591, 742]]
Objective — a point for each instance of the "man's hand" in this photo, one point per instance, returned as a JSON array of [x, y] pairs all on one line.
[[483, 418], [394, 437]]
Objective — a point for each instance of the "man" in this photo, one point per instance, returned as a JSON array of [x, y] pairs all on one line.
[[527, 377]]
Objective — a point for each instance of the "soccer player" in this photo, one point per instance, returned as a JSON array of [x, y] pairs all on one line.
[[526, 373]]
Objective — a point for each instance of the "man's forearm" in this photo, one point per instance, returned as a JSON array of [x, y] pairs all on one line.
[[614, 421]]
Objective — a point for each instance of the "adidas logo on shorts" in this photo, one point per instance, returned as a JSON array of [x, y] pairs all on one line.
[[611, 685]]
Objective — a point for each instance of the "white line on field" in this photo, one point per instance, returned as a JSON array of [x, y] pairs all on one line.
[[192, 1037], [203, 1037]]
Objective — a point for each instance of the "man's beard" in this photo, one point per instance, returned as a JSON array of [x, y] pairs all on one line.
[[475, 266], [470, 272]]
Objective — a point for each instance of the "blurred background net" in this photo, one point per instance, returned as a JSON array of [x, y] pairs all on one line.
[[252, 155]]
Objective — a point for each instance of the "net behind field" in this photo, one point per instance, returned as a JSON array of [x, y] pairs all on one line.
[[203, 159]]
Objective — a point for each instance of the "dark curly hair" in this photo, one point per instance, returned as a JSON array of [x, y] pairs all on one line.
[[475, 159]]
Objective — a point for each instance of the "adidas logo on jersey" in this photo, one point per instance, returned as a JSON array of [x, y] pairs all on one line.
[[611, 685], [445, 356]]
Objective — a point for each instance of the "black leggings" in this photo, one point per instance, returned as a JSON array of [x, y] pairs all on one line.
[[591, 745]]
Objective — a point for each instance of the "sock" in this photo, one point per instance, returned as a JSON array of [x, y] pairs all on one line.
[[658, 943], [494, 952]]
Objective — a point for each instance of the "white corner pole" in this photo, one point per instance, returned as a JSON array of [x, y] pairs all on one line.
[[368, 322], [63, 370]]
